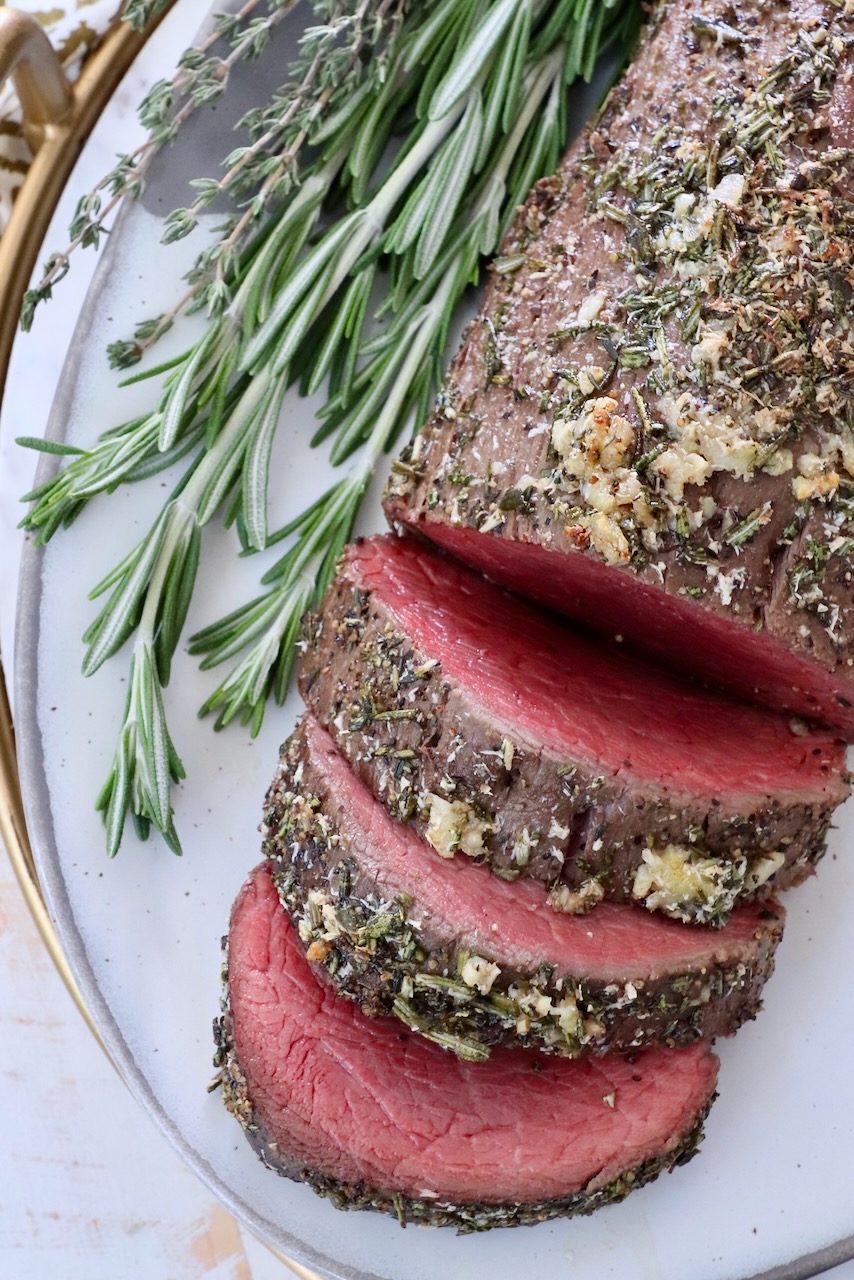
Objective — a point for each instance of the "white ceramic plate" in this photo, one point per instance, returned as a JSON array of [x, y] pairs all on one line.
[[772, 1186]]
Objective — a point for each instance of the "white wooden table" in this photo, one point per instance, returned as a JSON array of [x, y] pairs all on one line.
[[89, 1186]]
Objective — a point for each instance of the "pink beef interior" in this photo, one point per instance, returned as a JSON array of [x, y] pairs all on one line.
[[585, 701], [361, 1099], [686, 636], [512, 923]]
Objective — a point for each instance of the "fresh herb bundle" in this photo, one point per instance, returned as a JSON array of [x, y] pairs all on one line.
[[332, 211]]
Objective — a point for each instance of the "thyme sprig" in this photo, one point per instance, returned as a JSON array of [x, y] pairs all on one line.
[[331, 72], [289, 293]]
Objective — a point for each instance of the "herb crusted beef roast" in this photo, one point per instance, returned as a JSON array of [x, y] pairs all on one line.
[[375, 1118], [472, 962], [500, 736], [650, 428], [651, 425]]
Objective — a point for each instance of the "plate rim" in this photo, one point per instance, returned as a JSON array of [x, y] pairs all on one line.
[[50, 880]]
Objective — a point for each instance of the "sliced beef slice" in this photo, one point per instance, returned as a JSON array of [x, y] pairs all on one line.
[[472, 962], [651, 425], [499, 735], [375, 1118]]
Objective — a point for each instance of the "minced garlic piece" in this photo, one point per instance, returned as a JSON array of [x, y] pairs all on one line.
[[726, 584], [598, 439], [810, 464], [591, 308], [769, 420], [590, 378], [321, 914], [494, 520], [814, 481], [669, 880], [607, 538], [522, 847], [568, 1017], [454, 825], [730, 190], [628, 488], [480, 973], [762, 870], [541, 1004], [596, 492], [710, 348], [679, 468], [318, 951], [779, 463], [317, 900], [576, 902], [724, 447], [330, 920], [819, 487], [713, 436]]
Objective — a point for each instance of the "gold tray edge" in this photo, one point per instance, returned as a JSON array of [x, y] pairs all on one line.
[[20, 244]]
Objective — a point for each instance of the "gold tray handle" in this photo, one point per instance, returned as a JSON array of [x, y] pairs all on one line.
[[26, 54], [58, 121]]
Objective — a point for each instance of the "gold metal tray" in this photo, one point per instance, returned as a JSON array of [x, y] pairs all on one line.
[[57, 121]]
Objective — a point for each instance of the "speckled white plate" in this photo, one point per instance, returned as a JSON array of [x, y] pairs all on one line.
[[771, 1192]]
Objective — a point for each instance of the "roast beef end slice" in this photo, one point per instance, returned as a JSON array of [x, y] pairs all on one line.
[[650, 425], [501, 736], [375, 1118], [471, 961]]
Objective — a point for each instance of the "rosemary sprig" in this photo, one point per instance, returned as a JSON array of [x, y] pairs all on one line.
[[270, 624], [150, 594], [398, 372], [332, 74], [198, 391], [480, 83]]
